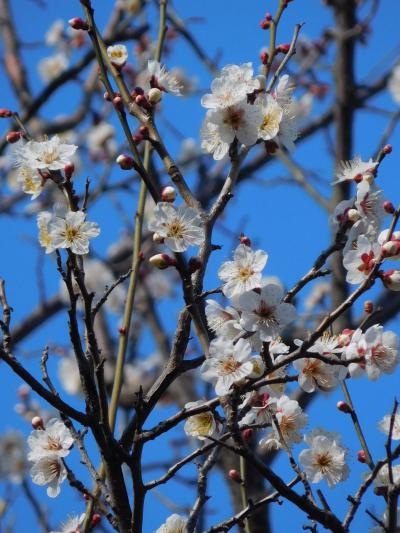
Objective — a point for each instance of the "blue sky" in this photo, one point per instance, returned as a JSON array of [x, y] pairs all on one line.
[[280, 219]]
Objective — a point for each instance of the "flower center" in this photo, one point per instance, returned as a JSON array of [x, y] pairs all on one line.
[[245, 273], [229, 365], [234, 117], [175, 229], [323, 462], [266, 314], [53, 444], [71, 233], [269, 121]]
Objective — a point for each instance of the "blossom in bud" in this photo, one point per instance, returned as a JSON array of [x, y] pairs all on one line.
[[5, 113], [265, 24], [344, 407], [154, 95], [235, 476], [247, 433], [96, 519], [23, 392], [157, 238], [162, 261], [390, 248], [125, 162], [69, 170], [107, 96], [353, 215], [264, 58], [118, 55], [37, 422], [268, 17], [136, 91], [283, 48], [168, 194], [368, 307], [77, 23], [137, 138], [391, 279], [387, 149], [245, 240], [361, 456], [14, 136], [142, 101], [388, 207], [118, 103], [122, 330], [144, 132]]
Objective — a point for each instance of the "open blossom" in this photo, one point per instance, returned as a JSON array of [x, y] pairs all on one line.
[[315, 374], [290, 419], [180, 227], [244, 272], [30, 181], [356, 169], [241, 121], [45, 239], [162, 79], [271, 117], [49, 470], [383, 479], [73, 232], [224, 321], [283, 92], [264, 312], [51, 67], [227, 364], [68, 374], [55, 439], [369, 203], [325, 458], [52, 154], [202, 425], [360, 262], [118, 54], [259, 405], [384, 425], [72, 525], [173, 524]]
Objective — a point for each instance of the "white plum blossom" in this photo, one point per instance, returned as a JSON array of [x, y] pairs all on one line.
[[73, 232], [356, 169], [224, 321], [55, 33], [52, 66], [30, 180], [228, 363], [384, 425], [290, 419], [259, 405], [288, 128], [383, 479], [211, 141], [68, 374], [49, 470], [264, 312], [243, 273], [162, 79], [325, 458], [180, 227], [369, 203], [284, 91], [201, 425], [360, 262], [45, 239], [118, 54], [315, 374], [52, 154], [72, 525], [174, 524], [394, 84], [271, 117], [55, 439]]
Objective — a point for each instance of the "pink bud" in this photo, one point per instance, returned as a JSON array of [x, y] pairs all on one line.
[[14, 136], [268, 16], [244, 239], [390, 248], [141, 100], [122, 330], [144, 132], [368, 307], [137, 138], [162, 261], [96, 519], [118, 103], [168, 194], [78, 24], [37, 422], [125, 162], [283, 48], [361, 457], [5, 113], [247, 433], [23, 392], [391, 279], [344, 407], [388, 207], [358, 178], [235, 476], [387, 149], [264, 58], [69, 170], [265, 24]]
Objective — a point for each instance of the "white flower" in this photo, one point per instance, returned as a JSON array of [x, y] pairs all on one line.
[[211, 141], [356, 169], [384, 425], [12, 456], [383, 238], [55, 439], [394, 84], [118, 54], [162, 79], [73, 232], [288, 128], [314, 373], [180, 227], [173, 524], [72, 525], [260, 404], [45, 239], [325, 459], [284, 91], [30, 181], [55, 33], [53, 66], [231, 86], [244, 272], [360, 262], [369, 204], [201, 425], [264, 312], [68, 374], [290, 419], [271, 117], [224, 321], [227, 364], [51, 154], [49, 470], [383, 479]]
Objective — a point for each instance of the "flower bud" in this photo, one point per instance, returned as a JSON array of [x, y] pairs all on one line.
[[268, 16], [168, 194], [391, 279], [157, 239], [244, 239], [107, 96], [235, 476], [264, 58], [118, 103], [361, 456], [23, 392], [14, 136], [358, 178], [154, 95], [390, 248], [69, 170], [96, 519], [5, 113], [265, 24], [122, 330], [368, 307], [344, 407], [353, 215], [144, 132], [247, 434], [141, 100], [162, 261], [283, 48], [77, 23], [137, 138], [37, 422], [125, 162], [388, 207], [387, 149]]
